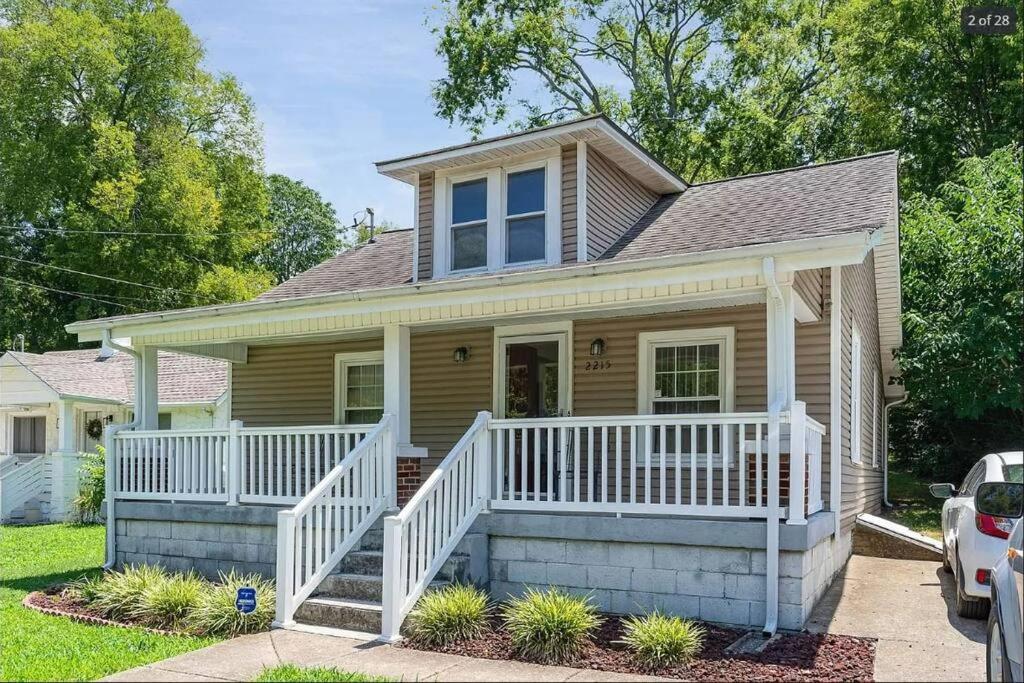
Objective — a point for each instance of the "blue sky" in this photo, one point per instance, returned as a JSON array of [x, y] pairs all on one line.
[[338, 84]]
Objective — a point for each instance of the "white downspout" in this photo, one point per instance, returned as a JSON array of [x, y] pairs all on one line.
[[771, 521], [885, 446], [108, 443]]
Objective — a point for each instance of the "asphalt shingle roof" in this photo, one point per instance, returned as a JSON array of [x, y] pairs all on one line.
[[85, 373], [821, 200]]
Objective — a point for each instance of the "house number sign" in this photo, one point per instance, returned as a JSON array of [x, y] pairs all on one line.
[[594, 365]]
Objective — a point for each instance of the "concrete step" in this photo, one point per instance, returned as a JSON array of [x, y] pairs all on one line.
[[371, 563], [358, 587], [353, 615]]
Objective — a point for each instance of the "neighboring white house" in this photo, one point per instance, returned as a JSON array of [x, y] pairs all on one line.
[[54, 406]]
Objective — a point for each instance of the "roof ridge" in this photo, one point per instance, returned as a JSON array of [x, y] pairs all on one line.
[[789, 169]]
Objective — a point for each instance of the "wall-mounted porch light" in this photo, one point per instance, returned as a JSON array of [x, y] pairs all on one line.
[[597, 347], [461, 354]]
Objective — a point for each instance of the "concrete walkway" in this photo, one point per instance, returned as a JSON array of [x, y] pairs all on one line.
[[908, 606], [242, 659]]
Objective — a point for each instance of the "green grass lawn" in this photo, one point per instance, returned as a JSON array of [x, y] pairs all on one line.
[[914, 506], [37, 647], [287, 673]]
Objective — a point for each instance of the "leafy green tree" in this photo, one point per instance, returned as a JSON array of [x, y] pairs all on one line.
[[913, 80], [963, 353], [120, 155], [305, 228]]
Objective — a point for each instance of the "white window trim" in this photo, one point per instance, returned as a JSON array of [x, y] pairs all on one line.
[[647, 342], [341, 360], [874, 422], [550, 160], [517, 334], [856, 409]]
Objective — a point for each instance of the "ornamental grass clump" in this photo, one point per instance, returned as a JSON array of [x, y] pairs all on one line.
[[216, 613], [453, 613], [657, 641], [550, 627], [119, 595], [169, 604]]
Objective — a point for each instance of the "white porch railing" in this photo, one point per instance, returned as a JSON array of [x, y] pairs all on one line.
[[419, 539], [23, 483], [313, 536], [271, 465]]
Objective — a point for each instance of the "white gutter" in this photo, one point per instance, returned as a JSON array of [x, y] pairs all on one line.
[[861, 239], [108, 441], [885, 445]]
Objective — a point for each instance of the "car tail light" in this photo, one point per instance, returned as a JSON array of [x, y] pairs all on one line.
[[981, 576], [1000, 527]]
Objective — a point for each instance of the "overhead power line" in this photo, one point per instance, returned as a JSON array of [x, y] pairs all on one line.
[[141, 233], [101, 277], [79, 295]]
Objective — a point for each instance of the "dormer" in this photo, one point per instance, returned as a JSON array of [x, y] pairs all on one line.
[[559, 194]]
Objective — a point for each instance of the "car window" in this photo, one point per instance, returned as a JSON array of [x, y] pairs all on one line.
[[1014, 473], [972, 479]]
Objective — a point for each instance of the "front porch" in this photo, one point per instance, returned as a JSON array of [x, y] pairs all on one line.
[[402, 446]]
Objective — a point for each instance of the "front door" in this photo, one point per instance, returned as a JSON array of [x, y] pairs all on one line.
[[533, 383]]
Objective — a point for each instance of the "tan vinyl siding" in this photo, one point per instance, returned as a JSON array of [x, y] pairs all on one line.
[[290, 384], [615, 202], [569, 204], [809, 285], [446, 396], [813, 385], [425, 263], [861, 483], [613, 391]]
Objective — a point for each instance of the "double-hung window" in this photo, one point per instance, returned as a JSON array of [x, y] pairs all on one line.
[[359, 387], [469, 225], [498, 217], [525, 218]]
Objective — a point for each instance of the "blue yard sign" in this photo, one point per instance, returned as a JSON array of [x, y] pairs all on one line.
[[245, 600]]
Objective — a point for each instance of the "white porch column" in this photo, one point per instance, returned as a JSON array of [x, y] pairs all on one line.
[[781, 335], [146, 396], [64, 462], [396, 380]]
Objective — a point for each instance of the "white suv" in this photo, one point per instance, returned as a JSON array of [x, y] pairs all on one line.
[[972, 542]]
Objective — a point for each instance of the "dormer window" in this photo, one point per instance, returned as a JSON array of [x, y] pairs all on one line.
[[498, 217], [469, 224], [524, 216]]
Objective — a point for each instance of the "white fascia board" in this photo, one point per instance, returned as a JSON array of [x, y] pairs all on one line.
[[789, 256], [399, 165], [618, 136], [92, 399]]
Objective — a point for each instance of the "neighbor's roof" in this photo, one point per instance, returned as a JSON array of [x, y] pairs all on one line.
[[806, 202], [87, 374]]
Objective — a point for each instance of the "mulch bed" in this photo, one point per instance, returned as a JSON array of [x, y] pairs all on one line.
[[792, 657], [57, 601]]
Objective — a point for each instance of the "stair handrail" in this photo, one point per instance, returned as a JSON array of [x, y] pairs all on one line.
[[460, 487], [317, 527]]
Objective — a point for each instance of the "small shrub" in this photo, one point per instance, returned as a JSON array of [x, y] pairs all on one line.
[[550, 627], [216, 613], [168, 604], [120, 594], [87, 589], [457, 612], [85, 508], [657, 641]]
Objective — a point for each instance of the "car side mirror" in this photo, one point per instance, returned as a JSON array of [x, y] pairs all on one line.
[[1000, 499], [942, 490]]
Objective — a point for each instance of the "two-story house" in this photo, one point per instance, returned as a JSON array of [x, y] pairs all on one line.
[[576, 369]]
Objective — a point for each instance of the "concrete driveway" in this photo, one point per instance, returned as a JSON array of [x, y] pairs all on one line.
[[908, 606]]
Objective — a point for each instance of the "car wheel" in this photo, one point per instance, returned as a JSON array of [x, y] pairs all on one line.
[[997, 666], [968, 607]]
